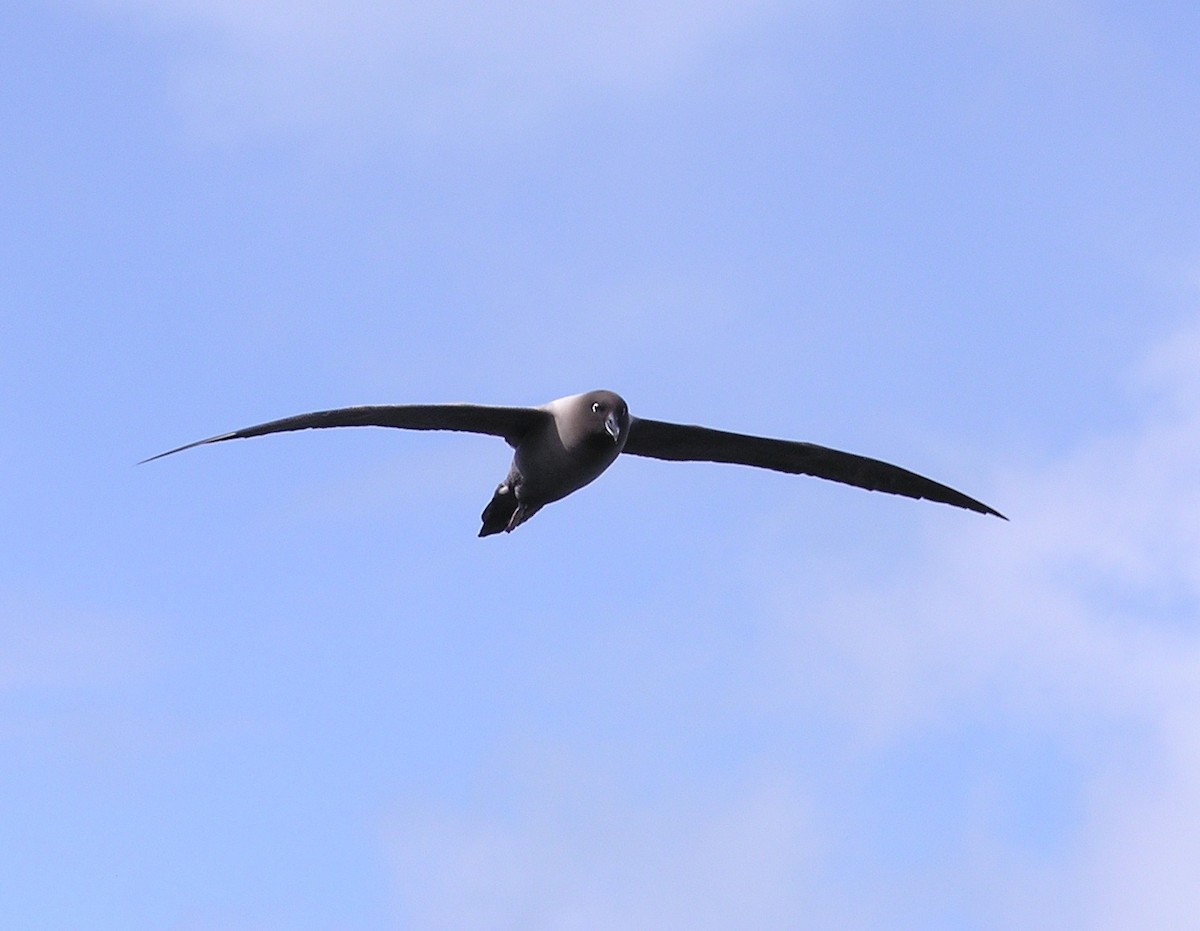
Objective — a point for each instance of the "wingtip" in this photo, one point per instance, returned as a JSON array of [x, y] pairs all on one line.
[[169, 452], [982, 508], [179, 449], [159, 456]]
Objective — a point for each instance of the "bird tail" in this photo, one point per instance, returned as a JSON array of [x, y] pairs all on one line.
[[504, 513], [499, 512]]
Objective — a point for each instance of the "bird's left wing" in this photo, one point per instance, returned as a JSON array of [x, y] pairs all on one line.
[[680, 442], [511, 423]]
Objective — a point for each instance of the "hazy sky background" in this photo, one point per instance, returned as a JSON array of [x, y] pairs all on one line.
[[281, 683]]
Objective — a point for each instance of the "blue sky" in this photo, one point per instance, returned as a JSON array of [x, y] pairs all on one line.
[[281, 683]]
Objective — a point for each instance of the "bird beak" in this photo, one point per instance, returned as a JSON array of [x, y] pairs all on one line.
[[613, 428]]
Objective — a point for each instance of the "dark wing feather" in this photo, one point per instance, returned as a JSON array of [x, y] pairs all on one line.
[[678, 442], [511, 423]]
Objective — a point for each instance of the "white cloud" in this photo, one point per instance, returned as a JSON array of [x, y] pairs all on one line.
[[1087, 599], [1080, 620], [575, 849], [63, 672], [468, 70], [1076, 626], [427, 69], [47, 647]]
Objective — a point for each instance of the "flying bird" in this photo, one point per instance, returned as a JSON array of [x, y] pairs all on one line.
[[564, 445]]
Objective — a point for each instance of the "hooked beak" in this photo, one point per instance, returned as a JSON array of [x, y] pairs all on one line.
[[613, 428]]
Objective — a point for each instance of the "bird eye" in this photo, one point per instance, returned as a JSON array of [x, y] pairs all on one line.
[[595, 407]]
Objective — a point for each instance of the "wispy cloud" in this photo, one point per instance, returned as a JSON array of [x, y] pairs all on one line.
[[44, 646], [1079, 622], [1089, 597], [462, 69], [576, 848], [426, 69], [64, 675], [1076, 629]]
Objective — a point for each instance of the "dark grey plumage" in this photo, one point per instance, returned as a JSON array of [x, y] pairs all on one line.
[[564, 445]]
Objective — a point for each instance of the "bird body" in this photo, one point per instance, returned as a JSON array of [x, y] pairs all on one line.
[[578, 439], [566, 444]]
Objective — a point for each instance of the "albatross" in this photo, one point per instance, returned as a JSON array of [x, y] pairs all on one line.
[[566, 444]]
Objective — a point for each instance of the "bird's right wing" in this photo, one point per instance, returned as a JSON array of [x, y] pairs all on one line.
[[683, 442], [511, 423]]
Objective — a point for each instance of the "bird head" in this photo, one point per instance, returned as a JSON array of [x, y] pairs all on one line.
[[607, 415]]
